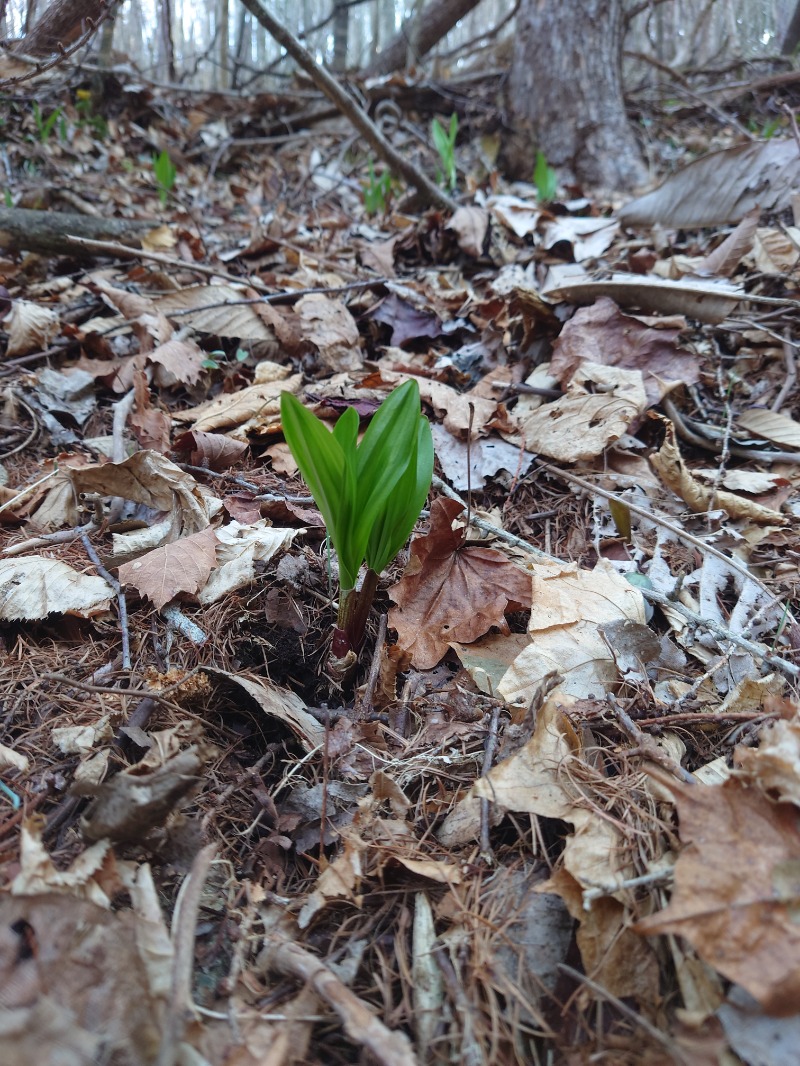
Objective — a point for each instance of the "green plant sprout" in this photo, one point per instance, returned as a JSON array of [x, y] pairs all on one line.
[[545, 179], [377, 191], [216, 359], [370, 494], [86, 116], [165, 173], [44, 126], [445, 142]]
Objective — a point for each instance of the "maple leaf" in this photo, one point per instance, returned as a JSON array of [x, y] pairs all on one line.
[[452, 592]]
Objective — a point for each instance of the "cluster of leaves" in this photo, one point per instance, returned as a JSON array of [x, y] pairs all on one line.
[[377, 191], [370, 494]]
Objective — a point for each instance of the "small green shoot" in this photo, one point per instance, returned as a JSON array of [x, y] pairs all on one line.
[[44, 126], [165, 173], [370, 494], [445, 142], [545, 179], [377, 191], [8, 198], [86, 116], [217, 359]]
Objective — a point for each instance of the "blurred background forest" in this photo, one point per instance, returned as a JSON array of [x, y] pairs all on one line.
[[220, 45]]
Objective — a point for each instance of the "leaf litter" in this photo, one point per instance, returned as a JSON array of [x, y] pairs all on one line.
[[552, 815]]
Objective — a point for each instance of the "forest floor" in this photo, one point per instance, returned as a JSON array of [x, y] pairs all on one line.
[[551, 815]]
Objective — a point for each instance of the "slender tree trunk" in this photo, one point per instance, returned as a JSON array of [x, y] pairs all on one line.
[[165, 34], [791, 38], [437, 19], [565, 94], [224, 57], [341, 28]]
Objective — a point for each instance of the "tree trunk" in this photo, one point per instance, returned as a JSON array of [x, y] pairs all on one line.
[[565, 94], [792, 36], [437, 18], [341, 28], [62, 23]]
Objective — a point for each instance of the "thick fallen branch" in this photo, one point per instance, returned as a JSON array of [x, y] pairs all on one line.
[[47, 232], [325, 81]]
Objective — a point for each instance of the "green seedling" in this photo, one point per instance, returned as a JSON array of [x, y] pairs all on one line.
[[44, 126], [217, 359], [165, 173], [8, 199], [545, 179], [370, 494], [445, 142], [86, 116], [377, 191]]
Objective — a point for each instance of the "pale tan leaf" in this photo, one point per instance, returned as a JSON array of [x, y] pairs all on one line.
[[778, 429], [33, 587], [583, 423], [222, 310], [724, 260], [776, 251], [706, 300], [330, 327], [470, 223], [30, 327], [669, 465]]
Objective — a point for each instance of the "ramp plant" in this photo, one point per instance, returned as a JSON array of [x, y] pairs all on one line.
[[369, 493]]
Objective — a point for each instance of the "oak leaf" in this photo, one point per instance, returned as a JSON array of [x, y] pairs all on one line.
[[452, 592]]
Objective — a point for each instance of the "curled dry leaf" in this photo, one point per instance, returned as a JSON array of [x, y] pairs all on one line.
[[470, 223], [452, 592], [668, 464], [30, 328]]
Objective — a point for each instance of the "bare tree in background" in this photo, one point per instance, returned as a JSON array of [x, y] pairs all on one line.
[[565, 94], [436, 19]]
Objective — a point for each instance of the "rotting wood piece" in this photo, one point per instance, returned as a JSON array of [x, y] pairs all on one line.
[[49, 232]]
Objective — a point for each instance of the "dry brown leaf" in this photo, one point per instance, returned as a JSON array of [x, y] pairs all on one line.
[[177, 362], [610, 951], [150, 424], [30, 327], [212, 450], [181, 566], [141, 798], [452, 592], [721, 187], [774, 766], [735, 894], [598, 407], [330, 327], [249, 410], [668, 464], [277, 704], [470, 223], [77, 982], [602, 334]]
